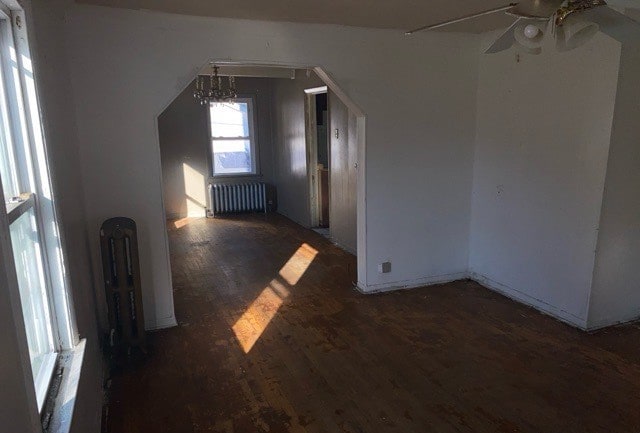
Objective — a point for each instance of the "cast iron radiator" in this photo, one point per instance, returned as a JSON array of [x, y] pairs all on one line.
[[234, 198], [121, 268]]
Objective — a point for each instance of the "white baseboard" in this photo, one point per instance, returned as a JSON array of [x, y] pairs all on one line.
[[523, 298], [604, 323], [411, 284], [490, 284], [289, 217], [166, 322], [343, 247]]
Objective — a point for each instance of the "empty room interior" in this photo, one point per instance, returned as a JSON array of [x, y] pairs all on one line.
[[361, 217]]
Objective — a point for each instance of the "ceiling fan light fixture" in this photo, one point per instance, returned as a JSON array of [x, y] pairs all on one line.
[[575, 32], [529, 37], [530, 31], [504, 41]]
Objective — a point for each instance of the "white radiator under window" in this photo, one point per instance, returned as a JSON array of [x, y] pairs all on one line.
[[235, 198]]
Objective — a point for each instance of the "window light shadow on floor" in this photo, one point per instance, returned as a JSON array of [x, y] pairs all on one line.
[[194, 190], [255, 320], [181, 222]]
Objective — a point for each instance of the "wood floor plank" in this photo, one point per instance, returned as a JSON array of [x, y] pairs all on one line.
[[272, 337]]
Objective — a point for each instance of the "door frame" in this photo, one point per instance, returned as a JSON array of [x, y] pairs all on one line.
[[311, 135]]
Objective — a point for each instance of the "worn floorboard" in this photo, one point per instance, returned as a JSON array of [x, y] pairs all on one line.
[[274, 338]]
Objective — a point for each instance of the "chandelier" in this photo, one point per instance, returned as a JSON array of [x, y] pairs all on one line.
[[216, 91]]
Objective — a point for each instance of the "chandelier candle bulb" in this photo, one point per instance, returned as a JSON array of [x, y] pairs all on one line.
[[217, 92]]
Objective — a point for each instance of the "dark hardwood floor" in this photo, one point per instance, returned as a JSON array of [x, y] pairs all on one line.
[[274, 338]]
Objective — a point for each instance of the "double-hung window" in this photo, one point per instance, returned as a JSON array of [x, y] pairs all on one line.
[[233, 143], [28, 202]]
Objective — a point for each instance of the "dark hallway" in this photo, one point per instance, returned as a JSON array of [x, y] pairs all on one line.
[[274, 338]]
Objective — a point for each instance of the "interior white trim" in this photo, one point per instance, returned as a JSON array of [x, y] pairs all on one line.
[[65, 401], [605, 323], [411, 284], [495, 286], [523, 298], [316, 90], [165, 322]]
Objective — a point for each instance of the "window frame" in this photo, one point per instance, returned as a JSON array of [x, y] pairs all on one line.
[[43, 376], [25, 153], [251, 118]]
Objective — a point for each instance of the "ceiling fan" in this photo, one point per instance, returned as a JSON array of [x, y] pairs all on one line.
[[573, 22]]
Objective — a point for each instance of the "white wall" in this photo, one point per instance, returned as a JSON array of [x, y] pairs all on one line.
[[291, 158], [290, 151], [280, 132], [45, 21], [184, 140], [105, 75], [543, 130], [615, 295], [409, 88], [185, 143], [419, 162], [342, 174]]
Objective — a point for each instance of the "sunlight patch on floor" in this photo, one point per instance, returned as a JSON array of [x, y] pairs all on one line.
[[255, 320], [181, 222], [195, 191], [297, 265], [252, 324]]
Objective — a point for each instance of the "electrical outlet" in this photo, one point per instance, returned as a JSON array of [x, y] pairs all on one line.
[[384, 268]]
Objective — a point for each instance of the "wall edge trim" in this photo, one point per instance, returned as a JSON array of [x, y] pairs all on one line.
[[166, 322], [523, 298], [607, 322], [489, 284], [410, 284]]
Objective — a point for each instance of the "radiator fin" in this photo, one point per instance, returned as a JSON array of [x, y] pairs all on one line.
[[236, 198]]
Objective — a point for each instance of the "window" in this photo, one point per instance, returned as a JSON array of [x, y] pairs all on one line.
[[27, 253], [28, 198], [232, 137]]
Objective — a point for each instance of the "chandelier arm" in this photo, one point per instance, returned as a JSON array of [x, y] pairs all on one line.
[[216, 91]]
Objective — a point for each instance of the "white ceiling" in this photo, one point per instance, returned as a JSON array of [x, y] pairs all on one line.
[[385, 14]]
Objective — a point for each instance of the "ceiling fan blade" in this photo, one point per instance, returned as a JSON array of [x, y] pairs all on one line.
[[613, 23], [505, 40], [460, 19]]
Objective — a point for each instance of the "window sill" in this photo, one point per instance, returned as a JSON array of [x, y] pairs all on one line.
[[71, 361], [43, 378], [17, 208], [226, 176]]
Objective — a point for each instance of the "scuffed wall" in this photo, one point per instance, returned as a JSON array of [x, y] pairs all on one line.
[[542, 141]]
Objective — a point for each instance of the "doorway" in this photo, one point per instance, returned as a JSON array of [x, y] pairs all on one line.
[[297, 96], [319, 157], [322, 131]]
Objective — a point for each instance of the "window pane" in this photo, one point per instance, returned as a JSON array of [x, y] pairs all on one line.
[[7, 161], [230, 119], [6, 172], [232, 156], [26, 251]]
